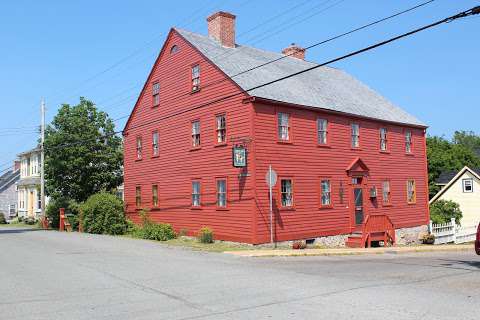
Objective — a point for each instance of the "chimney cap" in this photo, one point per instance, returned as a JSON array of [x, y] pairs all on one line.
[[222, 14]]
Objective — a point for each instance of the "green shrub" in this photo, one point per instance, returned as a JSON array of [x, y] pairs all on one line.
[[53, 212], [29, 220], [442, 211], [103, 214], [158, 231], [2, 218], [205, 235]]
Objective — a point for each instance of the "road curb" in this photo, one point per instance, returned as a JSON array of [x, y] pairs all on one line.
[[347, 251]]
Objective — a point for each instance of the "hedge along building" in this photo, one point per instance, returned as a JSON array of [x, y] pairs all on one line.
[[342, 152]]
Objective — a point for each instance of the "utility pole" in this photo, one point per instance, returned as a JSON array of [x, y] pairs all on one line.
[[42, 159]]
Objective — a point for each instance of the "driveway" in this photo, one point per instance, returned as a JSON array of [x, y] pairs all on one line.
[[51, 275]]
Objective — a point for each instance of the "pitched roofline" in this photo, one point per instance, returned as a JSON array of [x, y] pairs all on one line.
[[452, 181], [173, 30], [289, 104]]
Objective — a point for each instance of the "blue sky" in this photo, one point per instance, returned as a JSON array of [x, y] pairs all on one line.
[[103, 50]]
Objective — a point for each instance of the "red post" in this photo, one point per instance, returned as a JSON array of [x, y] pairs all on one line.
[[62, 219]]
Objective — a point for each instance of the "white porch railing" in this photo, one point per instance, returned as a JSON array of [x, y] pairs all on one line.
[[450, 232]]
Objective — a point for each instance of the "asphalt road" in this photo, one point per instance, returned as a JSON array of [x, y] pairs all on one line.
[[50, 275]]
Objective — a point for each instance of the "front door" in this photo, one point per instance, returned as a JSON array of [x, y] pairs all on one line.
[[358, 206], [30, 204]]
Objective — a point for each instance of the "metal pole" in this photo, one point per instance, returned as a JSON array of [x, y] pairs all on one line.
[[42, 160], [271, 202]]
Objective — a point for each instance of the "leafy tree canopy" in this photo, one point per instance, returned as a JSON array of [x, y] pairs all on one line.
[[82, 153]]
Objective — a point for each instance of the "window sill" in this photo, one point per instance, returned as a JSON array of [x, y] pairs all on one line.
[[154, 209], [196, 208], [157, 156], [195, 148], [220, 145], [387, 205], [155, 106], [384, 151], [284, 142], [138, 159], [409, 154], [356, 148], [195, 91], [327, 146], [222, 209], [411, 203], [286, 209], [325, 207]]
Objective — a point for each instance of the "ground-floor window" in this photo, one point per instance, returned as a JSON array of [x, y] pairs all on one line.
[[325, 193], [196, 201], [155, 195], [386, 192], [411, 192], [138, 196], [222, 193], [286, 188]]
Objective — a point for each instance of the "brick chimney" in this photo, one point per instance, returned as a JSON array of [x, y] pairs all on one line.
[[221, 27], [294, 51]]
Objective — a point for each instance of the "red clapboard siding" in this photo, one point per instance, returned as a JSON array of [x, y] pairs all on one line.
[[305, 162], [177, 163]]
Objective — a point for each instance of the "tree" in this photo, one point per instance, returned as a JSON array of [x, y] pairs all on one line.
[[442, 211], [469, 140], [446, 156], [83, 155]]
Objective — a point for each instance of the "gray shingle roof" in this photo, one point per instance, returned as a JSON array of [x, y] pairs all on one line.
[[446, 176], [325, 88], [8, 179]]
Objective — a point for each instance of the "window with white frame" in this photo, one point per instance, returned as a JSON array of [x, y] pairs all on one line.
[[155, 149], [156, 94], [196, 194], [411, 192], [467, 185], [221, 193], [139, 148], [283, 126], [221, 129], [195, 78], [355, 127], [286, 189], [196, 133], [408, 141], [325, 192], [383, 139], [386, 192], [322, 125]]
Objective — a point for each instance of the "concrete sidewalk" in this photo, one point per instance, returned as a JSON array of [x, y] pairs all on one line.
[[350, 251]]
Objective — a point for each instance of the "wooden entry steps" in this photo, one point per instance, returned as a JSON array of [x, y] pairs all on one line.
[[375, 228]]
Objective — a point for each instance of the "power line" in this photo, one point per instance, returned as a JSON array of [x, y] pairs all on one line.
[[308, 47], [470, 12]]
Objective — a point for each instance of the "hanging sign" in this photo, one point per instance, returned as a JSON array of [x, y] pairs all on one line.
[[239, 156]]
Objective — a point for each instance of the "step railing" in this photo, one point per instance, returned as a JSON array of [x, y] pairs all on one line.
[[378, 223]]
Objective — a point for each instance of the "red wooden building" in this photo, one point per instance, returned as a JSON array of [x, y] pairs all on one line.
[[348, 161]]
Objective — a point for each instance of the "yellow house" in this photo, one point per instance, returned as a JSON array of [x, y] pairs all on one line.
[[463, 188], [28, 187]]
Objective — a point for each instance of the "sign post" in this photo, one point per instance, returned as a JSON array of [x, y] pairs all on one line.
[[271, 178]]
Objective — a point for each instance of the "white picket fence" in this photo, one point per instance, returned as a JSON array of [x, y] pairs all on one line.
[[452, 233]]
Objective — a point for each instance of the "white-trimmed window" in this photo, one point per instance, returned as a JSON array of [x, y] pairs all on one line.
[[283, 126], [467, 185], [386, 192], [222, 193], [155, 195], [156, 94], [325, 193], [138, 196], [408, 141], [286, 189], [139, 148], [383, 139], [196, 201], [322, 126], [355, 127], [196, 133], [195, 78], [174, 49], [411, 192], [221, 124], [155, 148]]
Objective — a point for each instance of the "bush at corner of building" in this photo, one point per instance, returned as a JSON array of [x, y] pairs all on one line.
[[205, 235], [103, 214], [149, 229], [2, 218]]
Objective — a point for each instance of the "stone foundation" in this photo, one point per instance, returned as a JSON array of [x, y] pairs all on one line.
[[409, 236]]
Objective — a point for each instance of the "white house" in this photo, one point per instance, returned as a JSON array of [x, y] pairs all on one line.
[[29, 197], [462, 187]]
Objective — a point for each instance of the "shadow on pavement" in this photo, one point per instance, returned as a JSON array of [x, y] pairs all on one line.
[[19, 230], [472, 263]]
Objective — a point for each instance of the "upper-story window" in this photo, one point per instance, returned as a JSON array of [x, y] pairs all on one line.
[[283, 126], [155, 148], [411, 191], [322, 125], [139, 148], [195, 78], [383, 139], [355, 135], [221, 123], [467, 185], [408, 141], [174, 49], [196, 133], [156, 94]]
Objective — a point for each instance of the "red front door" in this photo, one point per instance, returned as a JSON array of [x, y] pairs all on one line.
[[357, 204]]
